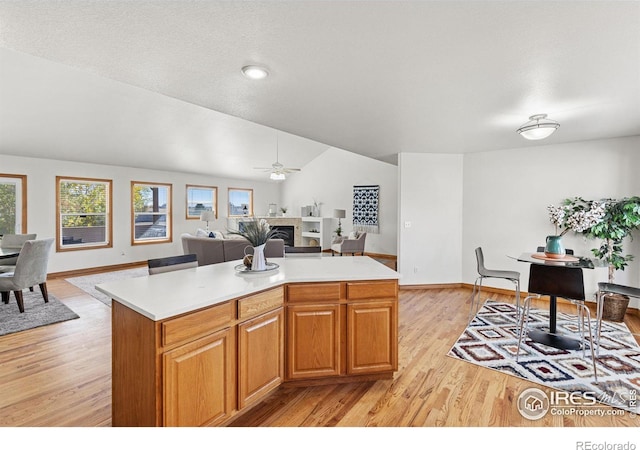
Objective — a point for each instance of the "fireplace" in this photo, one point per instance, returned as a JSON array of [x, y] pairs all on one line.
[[286, 233]]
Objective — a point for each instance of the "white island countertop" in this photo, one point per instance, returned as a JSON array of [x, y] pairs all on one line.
[[169, 294]]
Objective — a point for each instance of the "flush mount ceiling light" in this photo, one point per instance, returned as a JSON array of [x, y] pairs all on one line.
[[255, 72], [538, 127]]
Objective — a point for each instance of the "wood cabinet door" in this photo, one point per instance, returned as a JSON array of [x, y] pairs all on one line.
[[372, 330], [199, 381], [260, 356], [313, 341]]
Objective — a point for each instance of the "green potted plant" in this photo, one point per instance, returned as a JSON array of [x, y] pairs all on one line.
[[621, 218]]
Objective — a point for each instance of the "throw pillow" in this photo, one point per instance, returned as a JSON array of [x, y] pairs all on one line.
[[202, 233], [216, 234]]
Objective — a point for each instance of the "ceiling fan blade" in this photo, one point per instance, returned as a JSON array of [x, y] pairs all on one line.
[[290, 169]]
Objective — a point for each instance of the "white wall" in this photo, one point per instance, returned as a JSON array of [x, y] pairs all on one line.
[[41, 207], [431, 200], [506, 194], [329, 179]]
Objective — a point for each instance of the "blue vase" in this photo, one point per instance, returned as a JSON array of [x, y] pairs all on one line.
[[553, 247]]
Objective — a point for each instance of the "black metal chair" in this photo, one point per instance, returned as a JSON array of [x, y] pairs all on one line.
[[484, 273], [171, 263], [610, 288], [564, 282]]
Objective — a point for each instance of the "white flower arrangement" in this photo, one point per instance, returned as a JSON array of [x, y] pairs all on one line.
[[577, 215]]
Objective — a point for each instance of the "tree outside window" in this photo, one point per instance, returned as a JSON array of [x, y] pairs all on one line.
[[83, 213], [151, 212], [13, 204]]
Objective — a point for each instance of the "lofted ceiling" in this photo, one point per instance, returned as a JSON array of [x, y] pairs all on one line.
[[372, 77]]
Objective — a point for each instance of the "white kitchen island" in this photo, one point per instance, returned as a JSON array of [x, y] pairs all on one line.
[[196, 346]]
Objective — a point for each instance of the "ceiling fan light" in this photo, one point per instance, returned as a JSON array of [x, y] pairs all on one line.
[[538, 127], [255, 72], [277, 176]]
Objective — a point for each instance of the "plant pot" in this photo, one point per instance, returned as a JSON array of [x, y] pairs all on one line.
[[553, 247], [615, 307]]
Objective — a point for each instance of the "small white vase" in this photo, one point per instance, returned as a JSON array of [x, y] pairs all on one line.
[[259, 261]]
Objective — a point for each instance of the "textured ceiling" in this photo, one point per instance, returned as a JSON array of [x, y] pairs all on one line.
[[372, 77]]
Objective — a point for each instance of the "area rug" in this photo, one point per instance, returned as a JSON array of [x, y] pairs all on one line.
[[88, 282], [36, 313], [491, 340]]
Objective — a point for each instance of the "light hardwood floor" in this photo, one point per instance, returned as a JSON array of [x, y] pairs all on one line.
[[60, 375]]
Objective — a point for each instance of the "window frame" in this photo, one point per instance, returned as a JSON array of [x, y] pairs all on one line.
[[108, 215], [168, 213], [250, 209], [213, 189], [23, 200]]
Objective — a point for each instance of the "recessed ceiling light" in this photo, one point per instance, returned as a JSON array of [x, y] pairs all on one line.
[[255, 72]]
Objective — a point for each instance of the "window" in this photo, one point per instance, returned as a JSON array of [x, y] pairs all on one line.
[[151, 213], [240, 202], [201, 198], [83, 213], [13, 204]]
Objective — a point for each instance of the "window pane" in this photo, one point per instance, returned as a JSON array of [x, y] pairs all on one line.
[[8, 205], [151, 212], [83, 213], [199, 199], [240, 202], [13, 204], [151, 226]]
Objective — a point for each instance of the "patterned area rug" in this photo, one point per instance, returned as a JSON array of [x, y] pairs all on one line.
[[491, 341], [87, 283], [36, 313]]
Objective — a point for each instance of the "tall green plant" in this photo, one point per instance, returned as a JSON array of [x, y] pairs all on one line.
[[621, 218]]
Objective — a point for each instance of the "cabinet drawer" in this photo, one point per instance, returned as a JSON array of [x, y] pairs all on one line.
[[372, 289], [197, 323], [260, 303], [313, 292]]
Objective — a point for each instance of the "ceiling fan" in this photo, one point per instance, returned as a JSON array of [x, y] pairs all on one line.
[[277, 169]]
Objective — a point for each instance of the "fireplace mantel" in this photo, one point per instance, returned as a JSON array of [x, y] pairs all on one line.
[[295, 222]]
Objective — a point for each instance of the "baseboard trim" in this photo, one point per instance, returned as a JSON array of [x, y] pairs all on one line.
[[381, 255], [430, 286], [94, 270]]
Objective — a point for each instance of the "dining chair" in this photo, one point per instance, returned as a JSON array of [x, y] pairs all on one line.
[[609, 288], [171, 263], [13, 241], [31, 269], [484, 273], [564, 282]]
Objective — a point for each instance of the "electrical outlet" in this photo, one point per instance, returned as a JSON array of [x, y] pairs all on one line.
[[407, 224]]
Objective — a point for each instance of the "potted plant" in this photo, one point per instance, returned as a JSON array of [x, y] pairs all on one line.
[[621, 218], [574, 214], [283, 210]]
